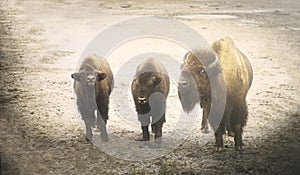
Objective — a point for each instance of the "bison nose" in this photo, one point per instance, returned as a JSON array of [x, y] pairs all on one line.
[[183, 84], [91, 79], [142, 99]]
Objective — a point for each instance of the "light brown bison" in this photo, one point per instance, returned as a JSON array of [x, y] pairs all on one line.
[[212, 76], [150, 89], [93, 85]]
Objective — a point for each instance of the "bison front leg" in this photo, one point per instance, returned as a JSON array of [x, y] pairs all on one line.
[[145, 121], [102, 120], [204, 123], [158, 129], [146, 135], [88, 131], [88, 120], [219, 137]]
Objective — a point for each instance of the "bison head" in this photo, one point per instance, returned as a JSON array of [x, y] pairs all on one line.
[[88, 78], [146, 84], [194, 82]]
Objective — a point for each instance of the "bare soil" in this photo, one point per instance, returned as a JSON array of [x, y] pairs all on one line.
[[40, 44]]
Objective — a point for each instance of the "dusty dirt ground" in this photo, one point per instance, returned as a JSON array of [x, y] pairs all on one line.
[[40, 44]]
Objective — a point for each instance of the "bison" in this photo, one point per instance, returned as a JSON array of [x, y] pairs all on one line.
[[93, 85], [150, 89], [209, 76]]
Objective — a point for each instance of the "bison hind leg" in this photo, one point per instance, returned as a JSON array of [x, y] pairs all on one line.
[[102, 125], [237, 123], [96, 124], [238, 137], [229, 129], [153, 128]]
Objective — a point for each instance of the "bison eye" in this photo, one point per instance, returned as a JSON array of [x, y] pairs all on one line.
[[202, 73], [156, 80]]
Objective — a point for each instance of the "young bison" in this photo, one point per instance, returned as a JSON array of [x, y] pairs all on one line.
[[93, 85], [150, 89], [223, 73]]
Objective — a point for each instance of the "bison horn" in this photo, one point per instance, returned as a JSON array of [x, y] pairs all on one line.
[[186, 56]]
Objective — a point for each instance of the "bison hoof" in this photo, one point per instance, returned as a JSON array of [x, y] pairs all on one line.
[[157, 145], [204, 130], [144, 144], [105, 139], [139, 138], [231, 133], [239, 148], [97, 129], [158, 141], [219, 149], [87, 139]]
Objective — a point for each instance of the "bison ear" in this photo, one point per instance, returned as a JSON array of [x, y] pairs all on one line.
[[76, 76], [100, 76], [156, 80]]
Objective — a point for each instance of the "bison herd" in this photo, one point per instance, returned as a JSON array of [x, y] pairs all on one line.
[[217, 78]]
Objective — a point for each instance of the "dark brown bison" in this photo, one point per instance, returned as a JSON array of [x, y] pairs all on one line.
[[212, 76], [93, 85], [150, 89]]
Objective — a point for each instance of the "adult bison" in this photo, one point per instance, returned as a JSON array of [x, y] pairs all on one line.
[[93, 85], [150, 89], [212, 76]]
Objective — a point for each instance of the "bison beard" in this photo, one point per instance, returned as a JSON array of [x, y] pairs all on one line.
[[188, 98], [230, 73]]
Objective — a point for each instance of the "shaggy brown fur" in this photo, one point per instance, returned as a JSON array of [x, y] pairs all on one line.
[[232, 77], [93, 85], [150, 89]]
